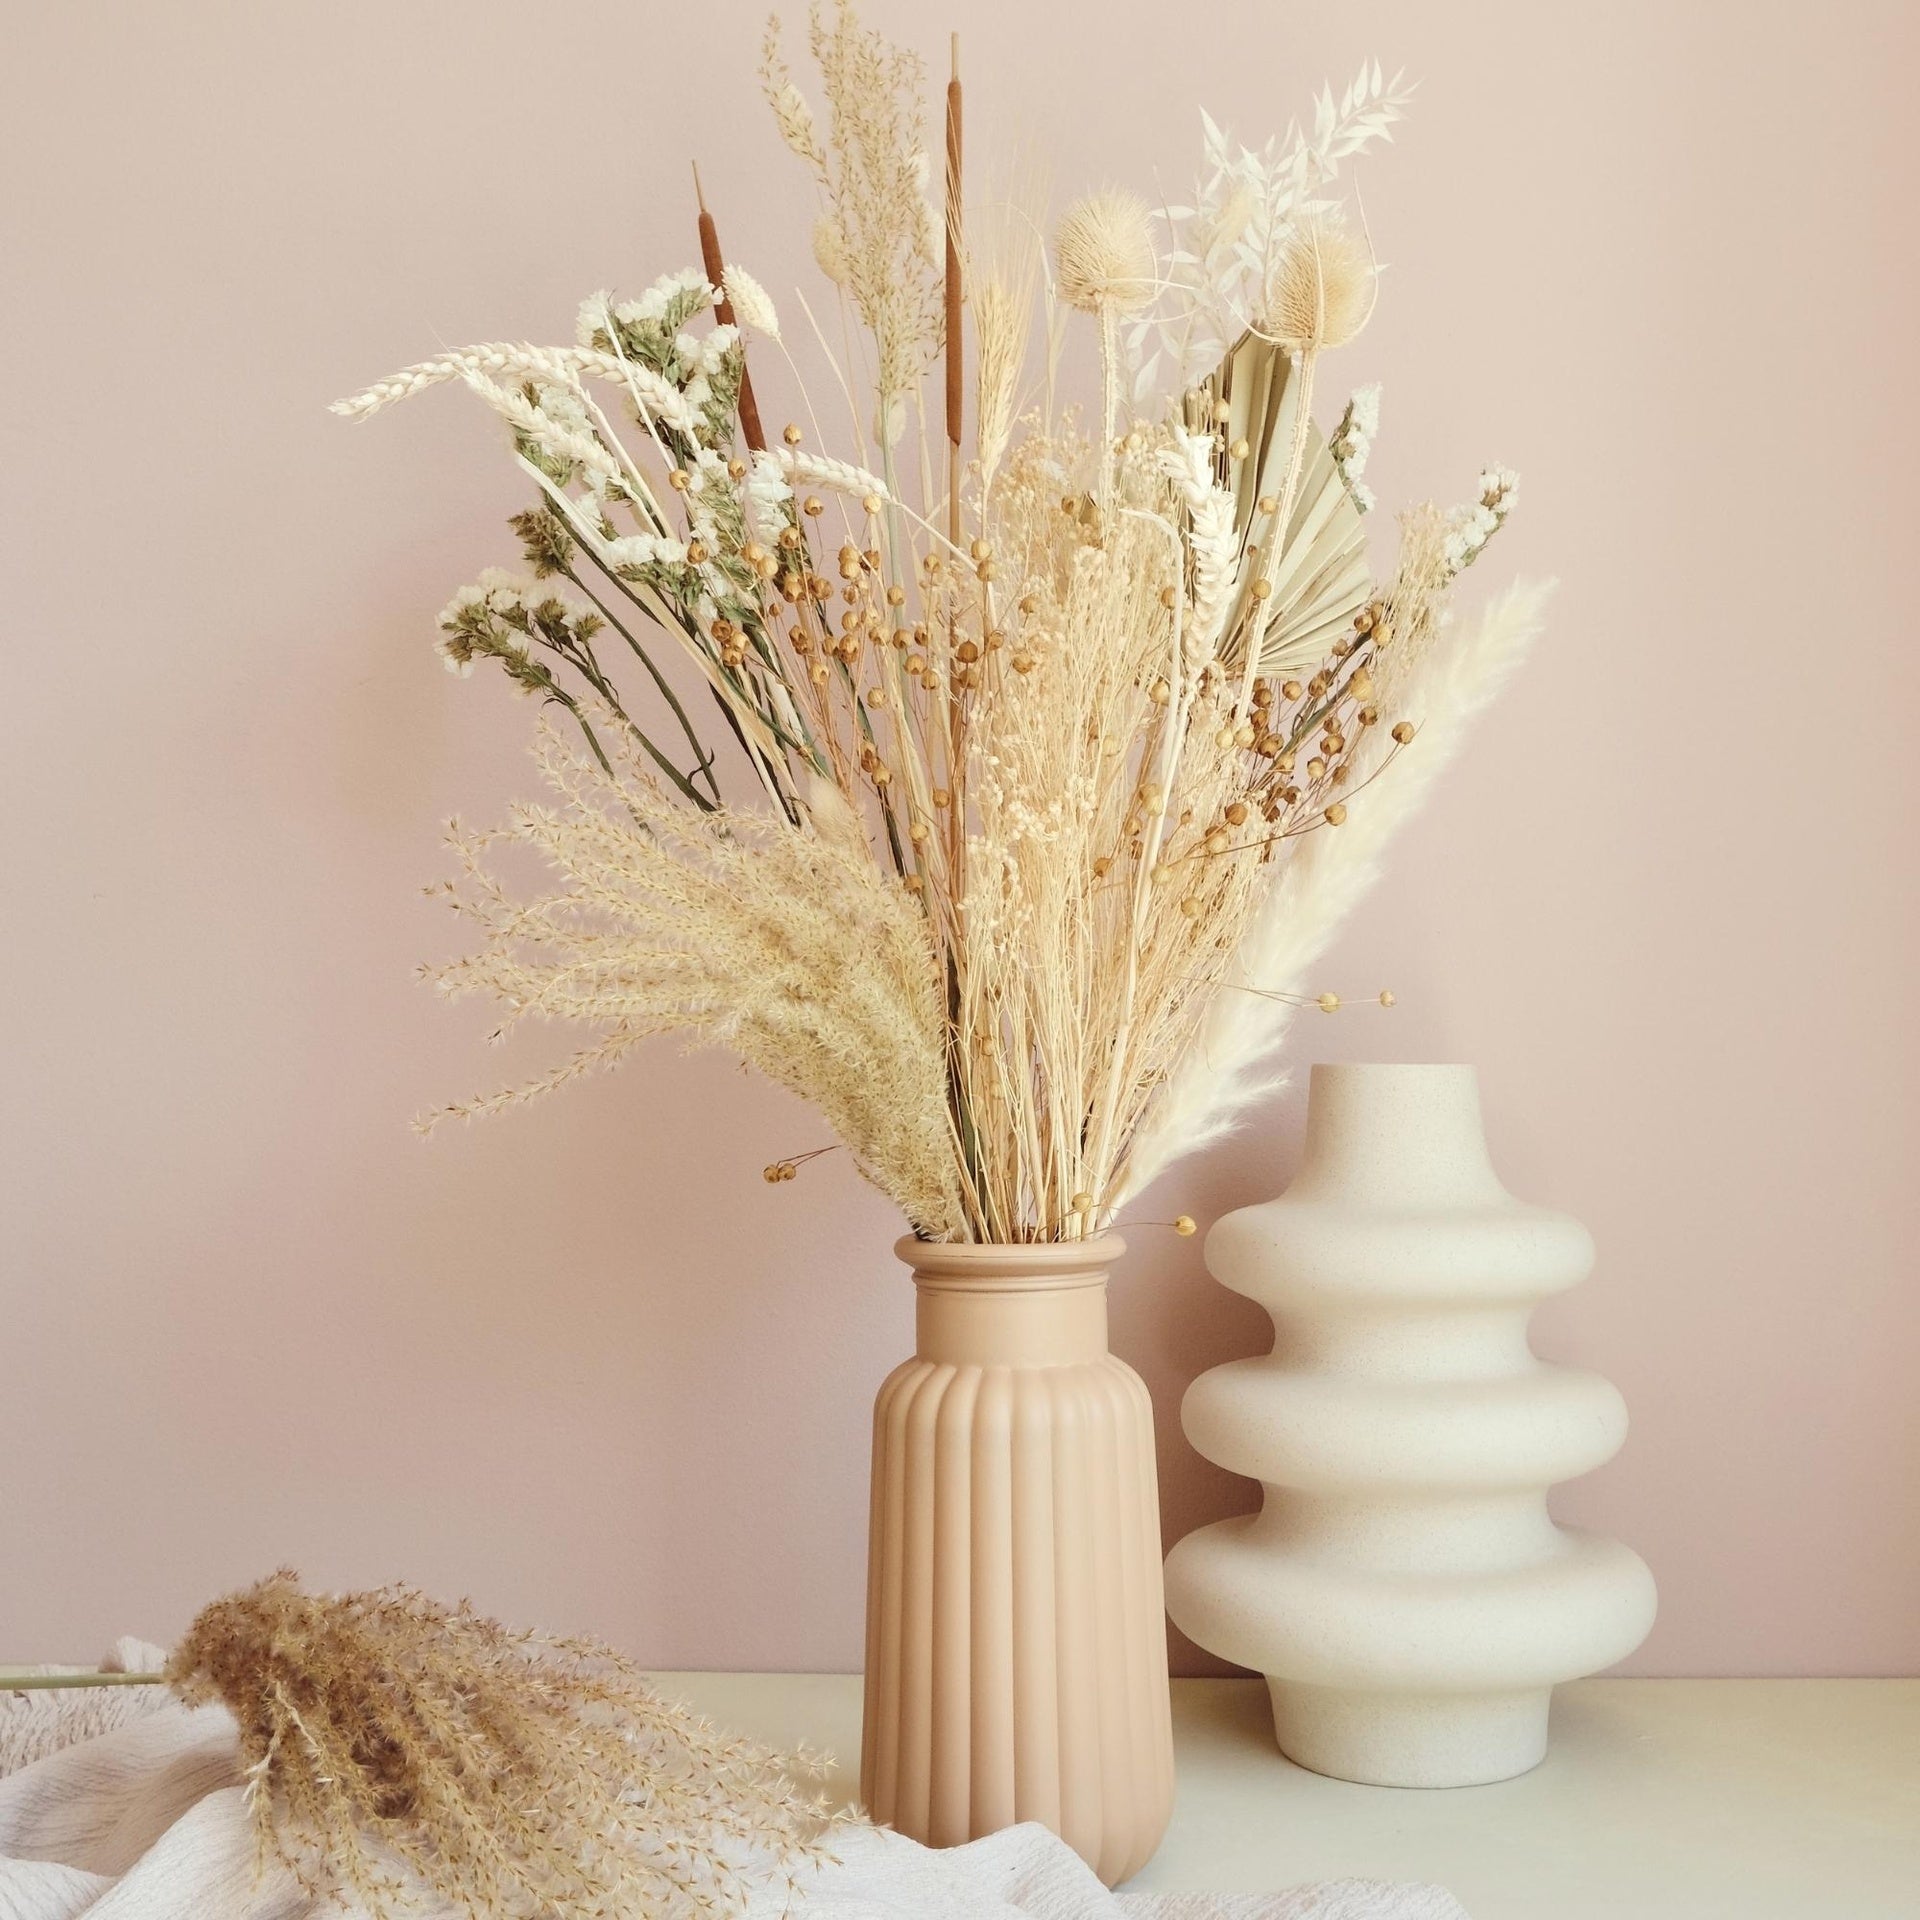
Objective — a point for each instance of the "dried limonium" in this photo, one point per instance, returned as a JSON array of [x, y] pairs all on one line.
[[1049, 755], [395, 1746]]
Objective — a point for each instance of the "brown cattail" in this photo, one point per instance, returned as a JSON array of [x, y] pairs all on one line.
[[714, 264]]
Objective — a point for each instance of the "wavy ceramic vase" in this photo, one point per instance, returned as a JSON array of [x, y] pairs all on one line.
[[1016, 1645], [1402, 1587]]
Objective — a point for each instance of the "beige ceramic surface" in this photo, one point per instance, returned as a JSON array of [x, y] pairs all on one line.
[[1402, 1587], [1016, 1651]]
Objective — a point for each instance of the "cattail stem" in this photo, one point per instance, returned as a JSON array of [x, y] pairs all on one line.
[[714, 264], [41, 1682]]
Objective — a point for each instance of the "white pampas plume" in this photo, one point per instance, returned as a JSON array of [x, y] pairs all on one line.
[[750, 302], [1230, 1065]]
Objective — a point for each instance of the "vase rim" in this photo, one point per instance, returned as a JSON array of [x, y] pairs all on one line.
[[1014, 1263]]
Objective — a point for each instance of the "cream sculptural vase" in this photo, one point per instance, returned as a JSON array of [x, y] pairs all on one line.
[[1016, 1646], [1402, 1587]]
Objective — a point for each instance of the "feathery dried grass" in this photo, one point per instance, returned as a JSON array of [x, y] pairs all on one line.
[[1232, 1065], [789, 948], [394, 1745], [872, 171]]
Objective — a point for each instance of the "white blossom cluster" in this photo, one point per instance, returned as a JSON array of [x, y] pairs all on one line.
[[1352, 441], [498, 617], [1469, 528]]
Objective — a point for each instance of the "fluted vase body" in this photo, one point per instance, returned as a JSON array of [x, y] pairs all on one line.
[[1016, 1647], [1402, 1587]]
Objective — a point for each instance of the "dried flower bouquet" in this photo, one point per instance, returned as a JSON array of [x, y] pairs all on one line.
[[993, 787]]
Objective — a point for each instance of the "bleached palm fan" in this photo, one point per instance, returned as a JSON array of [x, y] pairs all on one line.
[[1320, 579]]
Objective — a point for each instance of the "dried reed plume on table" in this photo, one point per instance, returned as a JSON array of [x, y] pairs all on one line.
[[395, 1745], [993, 785]]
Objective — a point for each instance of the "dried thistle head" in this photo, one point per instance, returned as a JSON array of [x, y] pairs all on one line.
[[1104, 253], [396, 1745], [1321, 291]]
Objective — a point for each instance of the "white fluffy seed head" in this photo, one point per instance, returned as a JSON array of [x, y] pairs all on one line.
[[1321, 291], [1104, 249], [830, 250], [751, 306]]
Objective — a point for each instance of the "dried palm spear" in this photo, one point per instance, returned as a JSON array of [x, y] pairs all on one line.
[[396, 1746]]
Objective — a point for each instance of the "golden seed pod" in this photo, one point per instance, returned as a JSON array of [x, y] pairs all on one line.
[[1336, 814], [1023, 662], [736, 468], [1236, 813], [1328, 1003], [1081, 1202], [813, 506], [1184, 1226], [1267, 504], [1290, 690], [1386, 997], [968, 651], [1403, 731], [1261, 588], [679, 479], [790, 434]]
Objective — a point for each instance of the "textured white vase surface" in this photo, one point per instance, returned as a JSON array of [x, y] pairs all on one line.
[[1402, 1587]]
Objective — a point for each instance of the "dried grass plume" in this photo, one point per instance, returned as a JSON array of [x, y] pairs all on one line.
[[394, 1744]]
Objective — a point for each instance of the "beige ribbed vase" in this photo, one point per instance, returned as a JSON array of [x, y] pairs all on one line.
[[1016, 1650]]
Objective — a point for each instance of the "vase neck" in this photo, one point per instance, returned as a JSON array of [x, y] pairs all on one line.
[[1011, 1306], [1406, 1135]]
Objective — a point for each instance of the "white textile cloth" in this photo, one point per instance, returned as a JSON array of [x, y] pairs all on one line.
[[122, 1804]]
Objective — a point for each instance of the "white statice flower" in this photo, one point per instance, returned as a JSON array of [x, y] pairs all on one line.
[[595, 316], [565, 407], [457, 651], [644, 550], [1470, 527], [653, 304], [750, 303], [1352, 441]]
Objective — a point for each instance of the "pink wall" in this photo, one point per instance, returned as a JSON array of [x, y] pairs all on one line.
[[583, 1364]]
